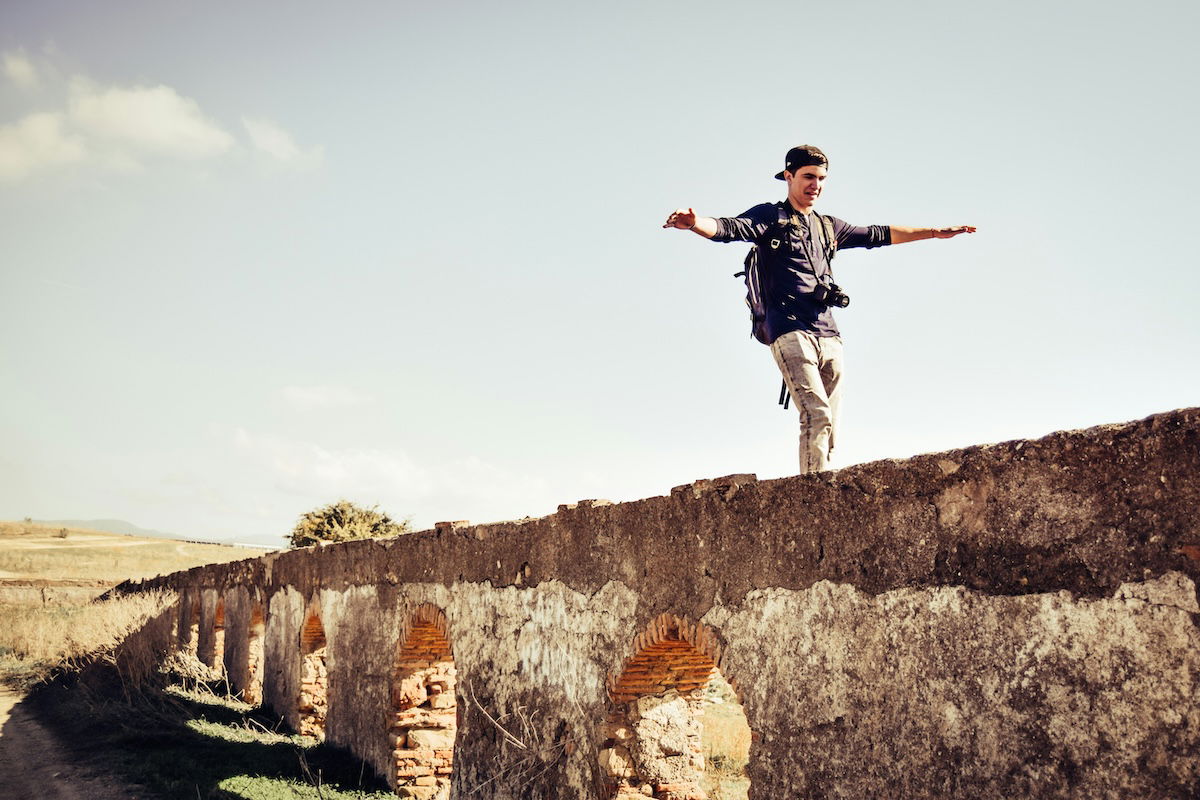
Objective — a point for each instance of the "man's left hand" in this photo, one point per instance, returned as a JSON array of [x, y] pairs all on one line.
[[950, 233]]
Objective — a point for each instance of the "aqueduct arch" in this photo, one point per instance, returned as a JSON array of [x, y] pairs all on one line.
[[313, 702], [189, 622], [244, 643], [424, 721], [653, 741]]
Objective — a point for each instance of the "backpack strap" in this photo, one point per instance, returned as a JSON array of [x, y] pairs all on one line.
[[830, 237], [782, 220]]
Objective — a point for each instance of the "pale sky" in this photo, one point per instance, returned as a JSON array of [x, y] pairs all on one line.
[[257, 257]]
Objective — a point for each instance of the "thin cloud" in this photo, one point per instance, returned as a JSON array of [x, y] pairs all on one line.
[[35, 142], [126, 127], [154, 119], [272, 140], [307, 398], [307, 468], [286, 473], [20, 70]]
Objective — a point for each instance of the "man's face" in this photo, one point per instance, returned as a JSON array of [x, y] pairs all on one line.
[[804, 185]]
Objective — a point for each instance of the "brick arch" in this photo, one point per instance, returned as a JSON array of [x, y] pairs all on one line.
[[661, 738], [426, 620], [313, 701], [423, 723], [672, 653], [312, 633]]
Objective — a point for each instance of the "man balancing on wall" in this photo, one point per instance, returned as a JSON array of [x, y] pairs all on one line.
[[791, 290]]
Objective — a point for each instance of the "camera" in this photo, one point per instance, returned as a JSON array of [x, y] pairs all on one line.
[[831, 295]]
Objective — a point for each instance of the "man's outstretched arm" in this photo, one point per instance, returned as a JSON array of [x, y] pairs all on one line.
[[685, 219], [900, 235]]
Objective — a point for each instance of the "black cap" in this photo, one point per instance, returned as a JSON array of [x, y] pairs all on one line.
[[804, 155]]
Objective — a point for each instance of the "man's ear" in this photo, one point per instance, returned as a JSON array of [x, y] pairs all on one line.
[[787, 176]]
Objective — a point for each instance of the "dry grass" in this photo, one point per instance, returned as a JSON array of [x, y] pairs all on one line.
[[31, 552], [726, 741], [33, 641], [102, 675], [49, 575], [163, 723]]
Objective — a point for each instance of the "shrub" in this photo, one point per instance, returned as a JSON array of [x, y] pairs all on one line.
[[343, 521]]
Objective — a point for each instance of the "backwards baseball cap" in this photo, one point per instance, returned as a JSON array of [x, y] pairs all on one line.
[[805, 155]]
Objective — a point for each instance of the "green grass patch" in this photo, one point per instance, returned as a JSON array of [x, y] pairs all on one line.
[[254, 788]]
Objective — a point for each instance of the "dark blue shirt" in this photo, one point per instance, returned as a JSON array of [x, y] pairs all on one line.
[[794, 260]]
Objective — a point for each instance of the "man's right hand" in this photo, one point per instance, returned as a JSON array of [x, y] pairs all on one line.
[[682, 218]]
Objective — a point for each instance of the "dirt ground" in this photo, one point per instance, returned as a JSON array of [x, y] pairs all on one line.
[[34, 766]]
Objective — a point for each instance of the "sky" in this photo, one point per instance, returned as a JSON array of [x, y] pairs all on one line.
[[259, 257]]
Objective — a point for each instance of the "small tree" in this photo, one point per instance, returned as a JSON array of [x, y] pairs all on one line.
[[343, 521]]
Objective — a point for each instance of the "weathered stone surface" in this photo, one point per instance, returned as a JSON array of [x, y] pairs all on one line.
[[442, 701], [617, 731], [1048, 695], [616, 762], [417, 792], [666, 733], [431, 738], [409, 693], [1007, 621]]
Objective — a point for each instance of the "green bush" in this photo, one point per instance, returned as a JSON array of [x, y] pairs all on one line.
[[343, 521]]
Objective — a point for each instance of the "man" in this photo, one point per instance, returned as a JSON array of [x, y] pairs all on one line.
[[795, 249]]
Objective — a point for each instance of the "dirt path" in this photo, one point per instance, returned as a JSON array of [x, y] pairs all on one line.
[[33, 766]]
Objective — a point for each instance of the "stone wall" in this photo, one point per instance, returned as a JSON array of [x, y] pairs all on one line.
[[1012, 620]]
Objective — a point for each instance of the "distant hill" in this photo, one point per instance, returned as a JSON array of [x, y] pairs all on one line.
[[129, 529]]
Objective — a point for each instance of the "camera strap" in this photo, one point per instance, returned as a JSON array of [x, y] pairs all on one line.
[[824, 241]]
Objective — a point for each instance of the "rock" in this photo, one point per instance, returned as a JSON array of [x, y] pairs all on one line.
[[431, 738], [616, 761], [417, 792], [442, 700]]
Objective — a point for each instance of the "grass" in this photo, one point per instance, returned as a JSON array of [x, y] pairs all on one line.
[[93, 677], [35, 552], [183, 740], [45, 620], [34, 641], [725, 739]]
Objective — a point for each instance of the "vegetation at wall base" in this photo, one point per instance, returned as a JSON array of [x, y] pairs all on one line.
[[181, 739], [91, 671], [38, 641]]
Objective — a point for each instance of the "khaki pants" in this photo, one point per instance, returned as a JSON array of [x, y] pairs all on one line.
[[812, 368]]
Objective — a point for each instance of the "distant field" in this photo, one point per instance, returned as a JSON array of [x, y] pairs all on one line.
[[31, 552], [49, 577]]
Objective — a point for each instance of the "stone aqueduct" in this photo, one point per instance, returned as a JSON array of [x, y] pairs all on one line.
[[1012, 620]]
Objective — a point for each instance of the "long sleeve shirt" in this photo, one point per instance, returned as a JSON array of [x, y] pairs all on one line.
[[795, 258]]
